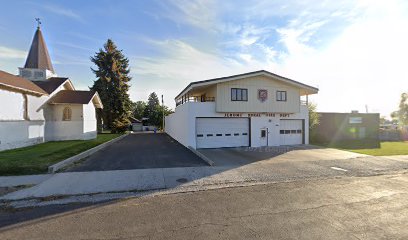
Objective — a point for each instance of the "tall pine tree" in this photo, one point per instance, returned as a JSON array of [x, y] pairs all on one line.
[[112, 84], [151, 109]]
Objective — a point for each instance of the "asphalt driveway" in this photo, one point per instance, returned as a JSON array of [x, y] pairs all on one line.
[[140, 151]]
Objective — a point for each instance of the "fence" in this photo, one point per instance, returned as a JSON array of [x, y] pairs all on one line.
[[393, 134]]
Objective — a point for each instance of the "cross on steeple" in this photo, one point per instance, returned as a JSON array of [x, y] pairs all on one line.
[[38, 22]]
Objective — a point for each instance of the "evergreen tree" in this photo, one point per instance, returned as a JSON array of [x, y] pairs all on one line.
[[150, 111], [112, 84]]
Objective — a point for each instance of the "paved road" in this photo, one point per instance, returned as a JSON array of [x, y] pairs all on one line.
[[350, 208], [295, 165], [141, 151]]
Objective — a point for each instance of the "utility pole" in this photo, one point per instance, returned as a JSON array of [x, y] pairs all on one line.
[[162, 112]]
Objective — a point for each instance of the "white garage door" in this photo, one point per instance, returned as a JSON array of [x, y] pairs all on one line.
[[222, 132], [291, 132]]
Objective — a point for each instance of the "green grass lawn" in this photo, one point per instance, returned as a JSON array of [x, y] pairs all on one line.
[[36, 159], [386, 149]]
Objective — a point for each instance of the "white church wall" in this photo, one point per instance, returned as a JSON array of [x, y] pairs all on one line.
[[14, 130], [15, 134], [57, 130], [89, 116], [35, 112], [12, 107]]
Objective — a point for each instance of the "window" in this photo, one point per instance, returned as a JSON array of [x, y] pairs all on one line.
[[228, 134], [287, 131], [299, 131], [293, 131], [209, 135], [355, 120], [282, 131], [218, 135], [263, 133], [67, 113], [236, 134], [200, 135], [244, 134], [281, 96], [239, 94]]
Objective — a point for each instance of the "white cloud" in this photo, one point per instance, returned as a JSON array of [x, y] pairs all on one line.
[[181, 64], [63, 11], [245, 57], [11, 53], [363, 65], [362, 62], [198, 13]]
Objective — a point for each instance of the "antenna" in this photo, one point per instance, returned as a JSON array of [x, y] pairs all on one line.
[[38, 22]]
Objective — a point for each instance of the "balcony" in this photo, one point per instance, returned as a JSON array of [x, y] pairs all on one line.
[[194, 99]]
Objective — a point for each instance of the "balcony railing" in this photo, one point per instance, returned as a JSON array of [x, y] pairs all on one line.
[[194, 99]]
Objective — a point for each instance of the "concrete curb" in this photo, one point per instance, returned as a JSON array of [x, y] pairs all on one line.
[[202, 156], [82, 155]]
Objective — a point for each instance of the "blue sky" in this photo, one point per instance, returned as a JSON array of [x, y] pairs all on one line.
[[355, 51]]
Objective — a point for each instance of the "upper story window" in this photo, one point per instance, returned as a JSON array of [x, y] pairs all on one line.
[[239, 94], [281, 96], [67, 114]]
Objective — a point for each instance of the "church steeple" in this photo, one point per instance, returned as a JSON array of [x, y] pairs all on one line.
[[38, 57]]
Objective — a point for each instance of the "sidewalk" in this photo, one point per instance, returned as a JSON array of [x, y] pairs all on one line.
[[14, 181], [79, 183]]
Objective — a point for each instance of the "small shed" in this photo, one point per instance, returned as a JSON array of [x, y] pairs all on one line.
[[347, 127], [136, 124]]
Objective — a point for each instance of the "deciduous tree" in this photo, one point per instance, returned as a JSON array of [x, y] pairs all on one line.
[[314, 117], [138, 109], [402, 113]]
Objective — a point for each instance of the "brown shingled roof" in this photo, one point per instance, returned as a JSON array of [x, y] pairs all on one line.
[[73, 97], [50, 84], [38, 56], [19, 84]]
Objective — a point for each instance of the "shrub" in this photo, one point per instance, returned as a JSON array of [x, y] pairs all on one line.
[[120, 125]]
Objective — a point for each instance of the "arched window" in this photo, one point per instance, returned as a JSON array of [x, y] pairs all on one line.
[[66, 115]]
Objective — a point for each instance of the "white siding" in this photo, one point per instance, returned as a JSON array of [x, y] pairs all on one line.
[[224, 103], [12, 105], [35, 112], [15, 134], [181, 124], [57, 130], [89, 118]]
